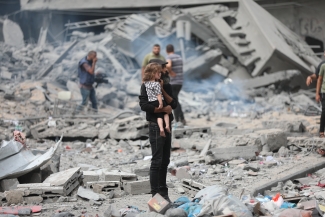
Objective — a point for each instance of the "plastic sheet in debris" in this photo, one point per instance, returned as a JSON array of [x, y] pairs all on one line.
[[211, 192], [225, 205]]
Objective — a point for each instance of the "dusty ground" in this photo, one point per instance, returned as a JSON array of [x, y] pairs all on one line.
[[108, 158]]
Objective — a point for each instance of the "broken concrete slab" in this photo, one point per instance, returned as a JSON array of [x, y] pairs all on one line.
[[68, 179], [132, 127], [272, 139], [245, 152], [88, 194]]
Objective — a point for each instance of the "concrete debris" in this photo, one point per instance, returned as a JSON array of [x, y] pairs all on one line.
[[89, 194], [137, 187], [248, 121], [68, 180]]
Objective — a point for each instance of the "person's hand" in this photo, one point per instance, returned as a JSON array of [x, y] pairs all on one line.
[[168, 109], [95, 60], [309, 81], [317, 98], [172, 74], [160, 106], [161, 82]]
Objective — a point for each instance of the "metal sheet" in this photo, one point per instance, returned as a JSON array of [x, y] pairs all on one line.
[[9, 148], [24, 162]]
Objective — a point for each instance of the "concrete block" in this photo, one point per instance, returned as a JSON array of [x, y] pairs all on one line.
[[273, 139], [33, 199], [115, 175], [143, 171], [14, 196], [137, 187], [245, 152], [90, 176], [9, 184], [158, 204], [112, 176]]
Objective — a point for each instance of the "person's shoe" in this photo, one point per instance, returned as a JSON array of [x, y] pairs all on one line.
[[183, 122]]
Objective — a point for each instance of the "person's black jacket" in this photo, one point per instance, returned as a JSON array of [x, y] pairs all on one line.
[[150, 109]]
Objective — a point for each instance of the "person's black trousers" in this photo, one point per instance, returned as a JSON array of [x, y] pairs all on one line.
[[178, 112], [160, 149], [322, 117]]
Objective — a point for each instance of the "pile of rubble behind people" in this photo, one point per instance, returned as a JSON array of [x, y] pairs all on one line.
[[223, 67], [260, 129], [100, 177]]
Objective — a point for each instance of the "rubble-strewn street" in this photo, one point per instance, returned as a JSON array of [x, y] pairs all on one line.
[[250, 145]]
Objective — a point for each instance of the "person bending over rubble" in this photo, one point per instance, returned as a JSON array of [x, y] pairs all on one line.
[[151, 77], [160, 146], [86, 73]]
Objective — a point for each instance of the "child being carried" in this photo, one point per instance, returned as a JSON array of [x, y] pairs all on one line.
[[151, 76]]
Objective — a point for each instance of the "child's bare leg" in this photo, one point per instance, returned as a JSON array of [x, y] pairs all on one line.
[[161, 127], [166, 118]]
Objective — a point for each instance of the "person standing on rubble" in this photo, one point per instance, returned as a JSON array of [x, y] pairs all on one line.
[[86, 72], [175, 68], [155, 54], [320, 97], [314, 76], [160, 146]]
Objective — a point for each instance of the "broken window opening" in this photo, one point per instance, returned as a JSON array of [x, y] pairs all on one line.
[[316, 45]]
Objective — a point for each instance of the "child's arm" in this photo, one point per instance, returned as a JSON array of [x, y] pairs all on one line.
[[319, 85], [160, 101]]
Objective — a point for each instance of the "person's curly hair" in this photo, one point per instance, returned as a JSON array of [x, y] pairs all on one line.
[[150, 71]]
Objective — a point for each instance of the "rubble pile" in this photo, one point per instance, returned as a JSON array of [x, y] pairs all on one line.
[[228, 70], [250, 123]]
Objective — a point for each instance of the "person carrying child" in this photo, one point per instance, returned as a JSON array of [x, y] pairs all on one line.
[[151, 78]]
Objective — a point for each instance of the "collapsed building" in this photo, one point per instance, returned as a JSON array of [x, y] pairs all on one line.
[[237, 56]]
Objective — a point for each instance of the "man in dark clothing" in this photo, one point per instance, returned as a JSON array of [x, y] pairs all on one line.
[[86, 72], [160, 146], [314, 76]]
